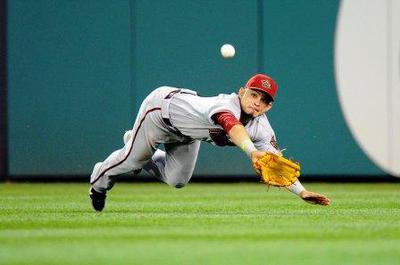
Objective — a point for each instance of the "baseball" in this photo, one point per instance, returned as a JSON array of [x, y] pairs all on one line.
[[227, 51]]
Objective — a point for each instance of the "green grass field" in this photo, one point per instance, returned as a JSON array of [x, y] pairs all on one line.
[[200, 224]]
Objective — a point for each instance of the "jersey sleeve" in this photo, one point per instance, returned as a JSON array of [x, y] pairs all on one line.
[[267, 145], [226, 119], [225, 103]]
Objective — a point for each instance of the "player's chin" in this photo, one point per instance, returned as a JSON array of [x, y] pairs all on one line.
[[252, 112], [256, 114]]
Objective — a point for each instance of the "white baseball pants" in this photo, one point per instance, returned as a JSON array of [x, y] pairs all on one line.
[[149, 131]]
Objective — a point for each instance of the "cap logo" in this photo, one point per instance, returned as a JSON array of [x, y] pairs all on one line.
[[266, 84]]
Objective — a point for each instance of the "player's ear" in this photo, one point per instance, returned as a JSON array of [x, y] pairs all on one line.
[[241, 92], [269, 106]]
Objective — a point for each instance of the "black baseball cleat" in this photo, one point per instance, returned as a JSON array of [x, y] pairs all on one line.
[[98, 199]]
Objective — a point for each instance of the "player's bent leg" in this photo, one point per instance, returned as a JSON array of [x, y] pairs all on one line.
[[104, 173], [180, 162], [103, 184], [137, 151], [156, 165], [140, 145], [98, 199], [97, 195], [100, 185], [127, 136]]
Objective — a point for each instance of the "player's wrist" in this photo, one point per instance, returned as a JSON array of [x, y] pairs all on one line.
[[297, 188], [248, 147]]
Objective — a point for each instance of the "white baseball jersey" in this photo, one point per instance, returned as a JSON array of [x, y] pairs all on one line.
[[179, 119], [192, 116]]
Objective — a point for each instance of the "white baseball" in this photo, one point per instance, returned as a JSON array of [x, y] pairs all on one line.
[[227, 51]]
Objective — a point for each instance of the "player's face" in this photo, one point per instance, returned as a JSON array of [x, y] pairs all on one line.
[[253, 102]]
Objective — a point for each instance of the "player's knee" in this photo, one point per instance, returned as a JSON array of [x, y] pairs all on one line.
[[179, 185]]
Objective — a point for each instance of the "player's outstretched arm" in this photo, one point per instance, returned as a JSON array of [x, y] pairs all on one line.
[[240, 137]]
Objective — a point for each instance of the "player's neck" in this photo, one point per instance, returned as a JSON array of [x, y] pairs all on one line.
[[244, 117]]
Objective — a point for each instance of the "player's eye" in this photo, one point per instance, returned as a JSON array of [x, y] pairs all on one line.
[[265, 100], [254, 95]]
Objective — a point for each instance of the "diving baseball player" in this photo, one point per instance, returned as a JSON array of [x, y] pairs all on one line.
[[180, 119]]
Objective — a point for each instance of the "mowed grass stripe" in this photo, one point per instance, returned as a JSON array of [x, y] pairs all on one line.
[[200, 224]]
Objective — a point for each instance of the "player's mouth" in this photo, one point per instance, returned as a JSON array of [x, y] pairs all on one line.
[[254, 109]]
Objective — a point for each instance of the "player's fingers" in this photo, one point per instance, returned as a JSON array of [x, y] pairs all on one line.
[[325, 201], [321, 200], [257, 168]]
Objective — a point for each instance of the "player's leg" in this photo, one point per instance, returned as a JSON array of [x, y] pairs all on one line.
[[156, 165], [125, 138], [137, 151], [174, 167], [105, 174], [158, 158], [147, 132], [140, 144], [133, 156], [180, 161], [187, 154]]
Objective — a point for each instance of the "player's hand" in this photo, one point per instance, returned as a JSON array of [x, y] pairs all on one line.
[[314, 198], [254, 157]]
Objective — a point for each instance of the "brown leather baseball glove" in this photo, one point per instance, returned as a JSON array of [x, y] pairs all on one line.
[[277, 170]]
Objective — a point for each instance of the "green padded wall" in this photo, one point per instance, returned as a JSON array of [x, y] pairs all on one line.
[[177, 43], [78, 71], [298, 49], [69, 83]]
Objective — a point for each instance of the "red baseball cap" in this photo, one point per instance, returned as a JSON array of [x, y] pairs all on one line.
[[263, 83]]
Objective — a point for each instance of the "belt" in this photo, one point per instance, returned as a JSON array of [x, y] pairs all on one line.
[[166, 119], [167, 122], [165, 108], [173, 129]]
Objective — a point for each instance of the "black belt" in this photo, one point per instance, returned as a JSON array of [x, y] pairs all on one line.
[[170, 94], [167, 122], [173, 129]]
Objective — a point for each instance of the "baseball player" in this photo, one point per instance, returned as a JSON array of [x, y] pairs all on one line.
[[180, 119]]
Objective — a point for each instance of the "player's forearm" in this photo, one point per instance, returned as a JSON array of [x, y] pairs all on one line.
[[236, 131], [238, 134], [240, 137]]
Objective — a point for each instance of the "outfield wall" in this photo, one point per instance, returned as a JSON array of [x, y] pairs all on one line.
[[78, 70]]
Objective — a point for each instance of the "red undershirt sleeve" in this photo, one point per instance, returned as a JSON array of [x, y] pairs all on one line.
[[226, 119]]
